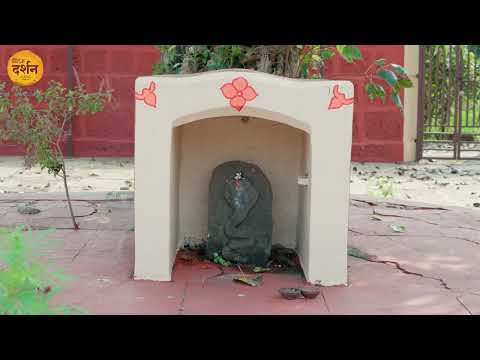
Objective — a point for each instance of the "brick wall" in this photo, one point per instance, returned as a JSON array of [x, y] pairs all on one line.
[[112, 132], [377, 129]]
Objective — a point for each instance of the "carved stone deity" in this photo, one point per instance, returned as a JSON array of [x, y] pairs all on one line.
[[240, 214]]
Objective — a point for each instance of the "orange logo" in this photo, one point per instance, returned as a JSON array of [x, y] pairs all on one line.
[[25, 68]]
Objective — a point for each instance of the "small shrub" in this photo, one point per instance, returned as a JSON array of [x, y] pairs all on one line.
[[26, 284], [38, 120], [381, 187]]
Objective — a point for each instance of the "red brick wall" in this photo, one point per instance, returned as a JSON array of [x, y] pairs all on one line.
[[377, 129], [110, 133]]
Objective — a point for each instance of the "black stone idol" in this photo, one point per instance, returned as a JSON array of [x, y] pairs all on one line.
[[240, 214]]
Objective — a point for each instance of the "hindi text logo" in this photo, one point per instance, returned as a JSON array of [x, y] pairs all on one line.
[[25, 68]]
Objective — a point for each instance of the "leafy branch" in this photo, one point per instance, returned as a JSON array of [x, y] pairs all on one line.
[[37, 120]]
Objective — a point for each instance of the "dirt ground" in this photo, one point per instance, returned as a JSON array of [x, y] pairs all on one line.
[[442, 182]]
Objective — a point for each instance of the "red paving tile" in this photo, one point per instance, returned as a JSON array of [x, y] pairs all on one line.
[[99, 297], [376, 289], [223, 296], [434, 268]]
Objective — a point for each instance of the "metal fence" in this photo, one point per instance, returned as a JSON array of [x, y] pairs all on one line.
[[449, 116]]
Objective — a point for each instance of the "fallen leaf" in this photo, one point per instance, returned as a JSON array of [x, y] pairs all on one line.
[[355, 252], [258, 269], [27, 209], [249, 281], [375, 217], [105, 280], [398, 228]]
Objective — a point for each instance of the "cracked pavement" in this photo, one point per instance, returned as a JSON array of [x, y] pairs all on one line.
[[432, 267]]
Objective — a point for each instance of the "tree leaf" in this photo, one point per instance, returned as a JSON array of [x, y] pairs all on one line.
[[381, 92], [390, 77], [349, 52], [400, 70], [405, 83], [326, 54], [345, 53], [370, 90], [397, 100], [355, 252], [249, 281], [398, 228], [357, 54], [374, 91]]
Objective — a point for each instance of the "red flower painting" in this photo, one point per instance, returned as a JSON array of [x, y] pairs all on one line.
[[148, 95], [338, 100], [238, 92]]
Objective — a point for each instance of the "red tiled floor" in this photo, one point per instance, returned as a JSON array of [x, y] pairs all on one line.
[[431, 268]]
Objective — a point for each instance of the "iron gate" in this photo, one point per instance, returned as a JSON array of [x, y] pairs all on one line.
[[449, 102]]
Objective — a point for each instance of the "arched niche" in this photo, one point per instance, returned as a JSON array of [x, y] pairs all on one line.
[[321, 110]]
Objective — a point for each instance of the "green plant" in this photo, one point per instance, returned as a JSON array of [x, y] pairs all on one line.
[[218, 259], [37, 120], [296, 61], [26, 284], [381, 186]]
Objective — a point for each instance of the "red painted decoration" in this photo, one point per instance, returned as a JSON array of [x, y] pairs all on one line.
[[338, 100], [148, 95], [238, 92]]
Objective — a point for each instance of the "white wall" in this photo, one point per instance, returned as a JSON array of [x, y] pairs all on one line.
[[174, 195], [276, 148], [303, 203], [411, 63]]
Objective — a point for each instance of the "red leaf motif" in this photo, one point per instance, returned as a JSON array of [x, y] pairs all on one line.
[[148, 95], [338, 100]]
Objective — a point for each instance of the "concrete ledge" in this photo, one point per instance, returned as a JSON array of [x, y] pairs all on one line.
[[82, 196]]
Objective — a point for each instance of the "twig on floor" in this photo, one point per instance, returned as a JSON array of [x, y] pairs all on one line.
[[463, 305]]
